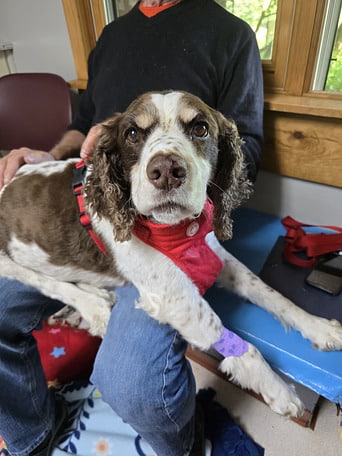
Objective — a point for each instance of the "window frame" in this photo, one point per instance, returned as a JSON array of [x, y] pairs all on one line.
[[85, 20], [289, 77]]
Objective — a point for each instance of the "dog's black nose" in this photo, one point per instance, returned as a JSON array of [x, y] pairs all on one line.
[[166, 171]]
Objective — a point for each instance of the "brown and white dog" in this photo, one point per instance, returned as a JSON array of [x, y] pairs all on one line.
[[160, 160]]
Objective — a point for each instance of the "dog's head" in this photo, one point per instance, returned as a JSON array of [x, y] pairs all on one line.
[[161, 158]]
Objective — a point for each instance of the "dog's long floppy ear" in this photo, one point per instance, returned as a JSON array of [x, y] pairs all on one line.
[[107, 189], [230, 185]]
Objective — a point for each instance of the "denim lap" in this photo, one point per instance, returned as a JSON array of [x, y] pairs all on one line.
[[145, 377], [27, 411], [140, 370]]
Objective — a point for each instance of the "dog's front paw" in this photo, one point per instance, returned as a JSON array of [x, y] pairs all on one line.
[[282, 399], [250, 371], [95, 305], [108, 295], [325, 335], [103, 293]]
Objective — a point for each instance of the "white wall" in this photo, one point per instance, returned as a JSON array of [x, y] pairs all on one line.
[[37, 29], [304, 201], [38, 32]]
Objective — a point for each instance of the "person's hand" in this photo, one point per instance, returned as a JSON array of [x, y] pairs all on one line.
[[17, 157], [89, 143]]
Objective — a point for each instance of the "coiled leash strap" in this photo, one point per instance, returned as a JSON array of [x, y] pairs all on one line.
[[312, 245]]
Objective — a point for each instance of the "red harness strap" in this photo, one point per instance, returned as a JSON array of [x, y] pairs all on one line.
[[312, 245], [77, 186]]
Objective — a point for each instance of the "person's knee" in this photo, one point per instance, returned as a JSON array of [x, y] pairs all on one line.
[[10, 298], [145, 404], [141, 369]]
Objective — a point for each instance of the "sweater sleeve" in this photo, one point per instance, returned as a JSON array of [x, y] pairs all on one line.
[[241, 98]]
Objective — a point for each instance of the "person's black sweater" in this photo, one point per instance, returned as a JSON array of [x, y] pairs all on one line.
[[195, 46]]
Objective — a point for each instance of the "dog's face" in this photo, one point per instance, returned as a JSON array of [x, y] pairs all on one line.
[[173, 141], [162, 157]]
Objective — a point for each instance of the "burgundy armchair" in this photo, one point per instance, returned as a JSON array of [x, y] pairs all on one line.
[[35, 109]]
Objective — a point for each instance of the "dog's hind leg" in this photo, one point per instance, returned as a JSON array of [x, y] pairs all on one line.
[[94, 307]]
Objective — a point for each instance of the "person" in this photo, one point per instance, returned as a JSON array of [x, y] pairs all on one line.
[[140, 369]]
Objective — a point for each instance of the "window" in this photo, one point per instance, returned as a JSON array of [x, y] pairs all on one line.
[[261, 16], [116, 8], [328, 75]]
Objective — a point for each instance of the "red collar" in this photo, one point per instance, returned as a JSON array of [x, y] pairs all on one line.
[[77, 186]]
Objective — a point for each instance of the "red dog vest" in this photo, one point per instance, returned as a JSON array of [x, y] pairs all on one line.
[[185, 244]]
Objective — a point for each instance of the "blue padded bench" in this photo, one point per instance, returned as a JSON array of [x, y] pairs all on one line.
[[254, 236]]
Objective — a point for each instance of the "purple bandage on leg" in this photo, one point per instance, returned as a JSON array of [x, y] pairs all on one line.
[[230, 344]]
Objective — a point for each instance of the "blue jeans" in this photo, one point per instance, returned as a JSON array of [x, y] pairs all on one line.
[[140, 370]]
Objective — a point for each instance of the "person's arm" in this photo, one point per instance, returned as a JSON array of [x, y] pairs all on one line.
[[250, 109], [241, 98], [69, 146]]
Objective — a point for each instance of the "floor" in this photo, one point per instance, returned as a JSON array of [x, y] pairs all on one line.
[[279, 436]]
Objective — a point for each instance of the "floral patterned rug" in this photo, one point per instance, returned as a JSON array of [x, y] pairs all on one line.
[[94, 429]]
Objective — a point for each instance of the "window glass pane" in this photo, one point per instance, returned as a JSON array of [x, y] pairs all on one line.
[[116, 8], [328, 74], [334, 77], [261, 16]]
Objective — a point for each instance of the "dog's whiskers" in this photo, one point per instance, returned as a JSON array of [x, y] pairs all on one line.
[[217, 186]]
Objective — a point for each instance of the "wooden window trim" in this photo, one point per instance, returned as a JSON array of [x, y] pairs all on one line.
[[317, 104], [288, 78], [274, 69], [85, 20]]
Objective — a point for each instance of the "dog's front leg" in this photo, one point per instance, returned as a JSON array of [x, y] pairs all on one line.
[[185, 310], [236, 277], [179, 304], [169, 296]]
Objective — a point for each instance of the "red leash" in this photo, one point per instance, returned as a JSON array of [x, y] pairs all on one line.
[[77, 186], [312, 245]]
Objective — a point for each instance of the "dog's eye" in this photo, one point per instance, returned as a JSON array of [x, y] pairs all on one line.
[[200, 130], [132, 135]]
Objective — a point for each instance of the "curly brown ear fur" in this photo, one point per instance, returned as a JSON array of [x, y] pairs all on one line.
[[230, 185], [107, 190]]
